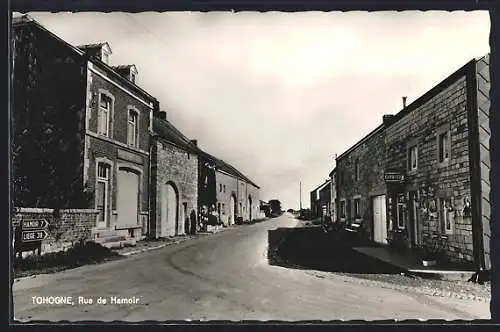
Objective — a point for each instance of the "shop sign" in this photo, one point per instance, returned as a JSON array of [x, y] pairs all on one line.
[[394, 177]]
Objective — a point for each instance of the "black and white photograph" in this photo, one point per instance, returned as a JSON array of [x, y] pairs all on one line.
[[197, 166]]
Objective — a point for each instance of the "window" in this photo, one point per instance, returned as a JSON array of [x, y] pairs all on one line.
[[348, 214], [401, 211], [412, 158], [357, 208], [220, 187], [223, 208], [444, 216], [102, 192], [104, 114], [444, 147], [224, 188], [105, 57], [132, 77], [133, 132], [356, 170]]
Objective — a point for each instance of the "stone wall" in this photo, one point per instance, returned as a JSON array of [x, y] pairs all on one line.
[[445, 111], [179, 168], [370, 156], [227, 186], [65, 230]]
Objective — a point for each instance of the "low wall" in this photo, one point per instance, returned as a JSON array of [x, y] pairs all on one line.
[[64, 230]]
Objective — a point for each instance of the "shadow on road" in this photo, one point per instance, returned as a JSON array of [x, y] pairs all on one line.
[[310, 248]]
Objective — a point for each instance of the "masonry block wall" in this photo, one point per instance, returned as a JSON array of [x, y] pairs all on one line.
[[179, 168], [227, 187], [48, 110], [333, 198], [107, 149], [445, 111], [370, 158], [253, 192], [65, 230], [122, 102]]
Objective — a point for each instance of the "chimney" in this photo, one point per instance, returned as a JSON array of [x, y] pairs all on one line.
[[386, 118], [404, 102], [194, 141]]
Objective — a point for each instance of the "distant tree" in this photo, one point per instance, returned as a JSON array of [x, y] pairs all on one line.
[[275, 206]]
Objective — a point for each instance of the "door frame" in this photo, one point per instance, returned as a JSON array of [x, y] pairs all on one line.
[[414, 218], [164, 209], [139, 172], [380, 200]]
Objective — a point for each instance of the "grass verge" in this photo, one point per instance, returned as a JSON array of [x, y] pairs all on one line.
[[80, 254]]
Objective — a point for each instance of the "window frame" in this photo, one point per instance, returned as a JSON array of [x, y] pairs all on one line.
[[133, 113], [443, 132], [104, 95], [357, 208], [107, 183], [342, 209], [444, 218], [356, 169], [410, 168]]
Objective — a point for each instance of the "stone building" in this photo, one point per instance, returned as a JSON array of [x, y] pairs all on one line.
[[424, 173], [174, 180], [81, 130], [325, 199], [333, 195], [316, 209], [360, 185], [234, 196], [439, 146]]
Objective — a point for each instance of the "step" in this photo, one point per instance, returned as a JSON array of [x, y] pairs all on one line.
[[115, 238], [120, 244]]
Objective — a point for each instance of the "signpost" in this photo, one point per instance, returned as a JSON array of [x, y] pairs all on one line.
[[34, 230]]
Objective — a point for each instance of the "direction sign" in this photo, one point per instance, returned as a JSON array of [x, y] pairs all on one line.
[[34, 224], [36, 235]]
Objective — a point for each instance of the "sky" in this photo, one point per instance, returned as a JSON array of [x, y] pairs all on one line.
[[277, 95]]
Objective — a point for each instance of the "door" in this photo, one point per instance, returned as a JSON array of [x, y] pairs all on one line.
[[128, 198], [249, 208], [185, 218], [169, 211], [414, 227], [379, 219]]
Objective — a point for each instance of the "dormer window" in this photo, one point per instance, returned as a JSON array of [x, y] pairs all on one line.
[[132, 77], [105, 57], [105, 53]]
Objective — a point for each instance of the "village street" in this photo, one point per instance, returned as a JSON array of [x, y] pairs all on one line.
[[225, 276]]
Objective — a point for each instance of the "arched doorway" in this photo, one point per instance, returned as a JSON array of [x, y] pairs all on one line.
[[232, 210], [250, 208], [169, 212]]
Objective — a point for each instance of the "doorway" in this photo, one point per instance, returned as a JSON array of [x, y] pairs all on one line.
[[379, 219], [414, 226], [127, 198]]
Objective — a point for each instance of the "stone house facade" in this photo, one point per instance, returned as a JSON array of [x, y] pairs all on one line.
[[86, 125], [440, 144], [174, 180], [325, 199], [333, 195], [236, 197], [360, 184], [424, 173]]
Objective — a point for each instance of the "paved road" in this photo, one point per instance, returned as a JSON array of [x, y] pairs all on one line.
[[223, 277]]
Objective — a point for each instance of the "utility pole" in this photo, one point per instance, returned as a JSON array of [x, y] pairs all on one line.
[[300, 186]]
